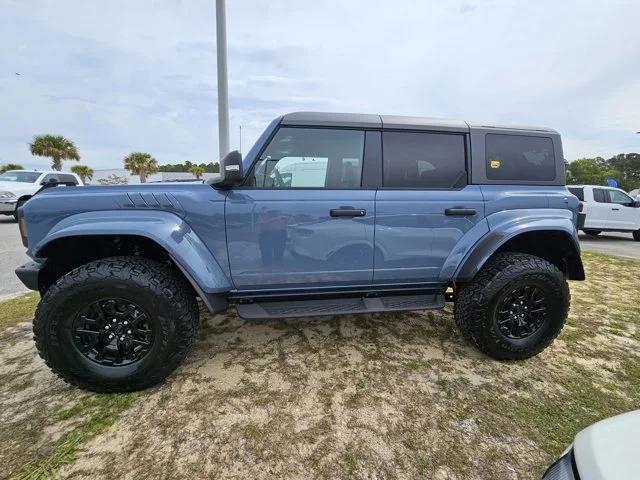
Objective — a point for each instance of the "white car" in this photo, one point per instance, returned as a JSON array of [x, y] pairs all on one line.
[[607, 450], [606, 209], [18, 186]]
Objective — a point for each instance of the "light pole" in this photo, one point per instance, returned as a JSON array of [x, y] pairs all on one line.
[[223, 95]]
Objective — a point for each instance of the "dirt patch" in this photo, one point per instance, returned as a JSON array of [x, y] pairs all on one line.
[[379, 396]]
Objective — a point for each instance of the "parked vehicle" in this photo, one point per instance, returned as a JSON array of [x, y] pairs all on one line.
[[18, 186], [607, 450], [327, 214], [606, 209]]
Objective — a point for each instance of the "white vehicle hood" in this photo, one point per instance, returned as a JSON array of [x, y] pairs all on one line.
[[18, 187], [610, 449]]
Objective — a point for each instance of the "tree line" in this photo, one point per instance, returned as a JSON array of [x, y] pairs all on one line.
[[60, 149], [624, 168]]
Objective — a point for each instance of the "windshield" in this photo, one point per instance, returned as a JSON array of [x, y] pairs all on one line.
[[22, 177]]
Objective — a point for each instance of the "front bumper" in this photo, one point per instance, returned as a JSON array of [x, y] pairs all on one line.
[[29, 273], [8, 206]]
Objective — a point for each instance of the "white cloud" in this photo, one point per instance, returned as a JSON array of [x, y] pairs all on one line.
[[121, 76]]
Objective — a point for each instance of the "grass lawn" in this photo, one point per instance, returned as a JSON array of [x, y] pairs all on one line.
[[377, 396]]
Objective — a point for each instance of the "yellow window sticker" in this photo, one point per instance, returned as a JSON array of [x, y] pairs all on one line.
[[495, 163]]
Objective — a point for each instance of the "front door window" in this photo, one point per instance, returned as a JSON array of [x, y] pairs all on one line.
[[311, 158]]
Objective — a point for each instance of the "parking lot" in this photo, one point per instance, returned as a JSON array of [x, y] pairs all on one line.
[[11, 256], [12, 252]]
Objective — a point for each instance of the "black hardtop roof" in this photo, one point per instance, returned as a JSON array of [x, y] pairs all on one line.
[[368, 120]]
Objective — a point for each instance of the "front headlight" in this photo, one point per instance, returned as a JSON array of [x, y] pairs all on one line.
[[563, 469], [7, 195]]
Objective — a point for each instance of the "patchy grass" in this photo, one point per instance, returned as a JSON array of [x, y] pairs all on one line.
[[19, 309], [97, 413], [378, 396]]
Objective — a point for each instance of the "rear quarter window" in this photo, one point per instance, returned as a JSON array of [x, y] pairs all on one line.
[[67, 178], [519, 157], [578, 192]]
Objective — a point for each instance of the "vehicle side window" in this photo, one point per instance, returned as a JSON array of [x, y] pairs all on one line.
[[615, 196], [600, 195], [67, 178], [519, 157], [51, 177], [311, 157], [578, 192], [423, 160]]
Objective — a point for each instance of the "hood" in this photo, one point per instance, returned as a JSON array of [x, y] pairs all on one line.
[[608, 450], [16, 186]]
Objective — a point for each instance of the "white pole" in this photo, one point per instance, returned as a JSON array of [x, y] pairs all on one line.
[[223, 95]]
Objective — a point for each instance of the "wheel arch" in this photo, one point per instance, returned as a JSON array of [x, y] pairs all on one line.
[[556, 244], [158, 235]]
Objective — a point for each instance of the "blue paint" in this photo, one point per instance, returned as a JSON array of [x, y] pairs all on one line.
[[248, 239]]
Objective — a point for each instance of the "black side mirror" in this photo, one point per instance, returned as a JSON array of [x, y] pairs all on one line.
[[231, 172]]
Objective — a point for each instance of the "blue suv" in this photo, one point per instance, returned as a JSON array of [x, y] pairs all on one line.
[[328, 214]]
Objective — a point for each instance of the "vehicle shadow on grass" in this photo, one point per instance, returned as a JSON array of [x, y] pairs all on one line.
[[371, 396]]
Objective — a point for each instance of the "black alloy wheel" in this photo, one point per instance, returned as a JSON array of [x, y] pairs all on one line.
[[521, 312], [113, 332]]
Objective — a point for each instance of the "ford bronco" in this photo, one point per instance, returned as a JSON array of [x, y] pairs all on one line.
[[327, 214]]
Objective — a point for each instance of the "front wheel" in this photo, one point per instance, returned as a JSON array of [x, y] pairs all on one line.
[[514, 307], [116, 325]]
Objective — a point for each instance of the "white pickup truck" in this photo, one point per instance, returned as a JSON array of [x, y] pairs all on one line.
[[18, 186], [606, 209]]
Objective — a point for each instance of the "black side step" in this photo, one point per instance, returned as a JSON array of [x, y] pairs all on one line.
[[339, 306]]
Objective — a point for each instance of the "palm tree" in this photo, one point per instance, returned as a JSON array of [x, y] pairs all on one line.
[[10, 166], [56, 147], [85, 173], [197, 170], [140, 163]]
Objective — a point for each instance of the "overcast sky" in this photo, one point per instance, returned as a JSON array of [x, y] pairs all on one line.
[[124, 76]]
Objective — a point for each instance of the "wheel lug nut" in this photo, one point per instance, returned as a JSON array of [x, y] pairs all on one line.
[[129, 332], [122, 338], [126, 323], [113, 321], [106, 327], [110, 336]]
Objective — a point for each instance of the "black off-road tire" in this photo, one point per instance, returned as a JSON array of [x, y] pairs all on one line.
[[155, 287], [636, 235], [476, 304], [593, 232]]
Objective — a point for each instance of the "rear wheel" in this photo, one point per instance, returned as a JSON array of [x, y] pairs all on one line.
[[592, 232], [515, 306], [116, 325]]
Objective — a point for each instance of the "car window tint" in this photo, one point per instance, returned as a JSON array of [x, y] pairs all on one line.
[[423, 160], [578, 192], [600, 195], [311, 157], [616, 196], [520, 157], [52, 177], [67, 178]]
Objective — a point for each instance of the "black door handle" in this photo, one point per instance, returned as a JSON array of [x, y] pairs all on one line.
[[460, 211], [615, 209], [347, 212]]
